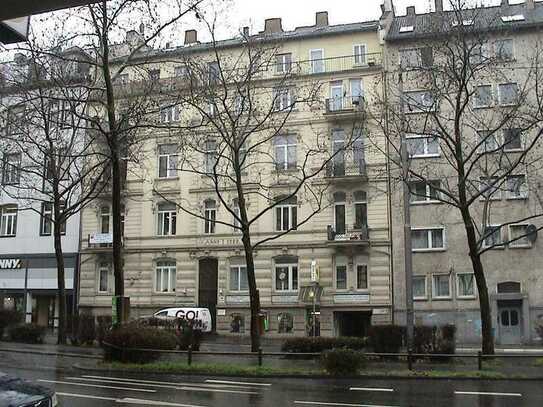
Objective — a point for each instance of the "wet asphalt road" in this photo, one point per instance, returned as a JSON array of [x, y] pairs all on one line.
[[77, 388]]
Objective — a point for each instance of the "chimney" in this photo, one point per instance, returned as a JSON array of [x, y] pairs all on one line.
[[191, 37], [530, 5], [321, 18], [411, 10], [246, 32], [439, 6], [272, 25]]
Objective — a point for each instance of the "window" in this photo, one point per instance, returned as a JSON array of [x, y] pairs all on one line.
[[213, 72], [339, 213], [419, 288], [341, 277], [483, 96], [60, 114], [416, 57], [285, 152], [282, 99], [237, 324], [359, 51], [286, 277], [422, 146], [419, 101], [508, 94], [167, 217], [518, 236], [103, 278], [12, 169], [465, 285], [165, 277], [167, 160], [480, 53], [316, 57], [210, 216], [424, 191], [169, 113], [360, 210], [504, 50], [357, 92], [286, 214], [441, 286], [122, 79], [512, 140], [488, 141], [46, 221], [338, 152], [181, 71], [285, 323], [237, 218], [406, 29], [513, 18], [104, 219], [428, 239], [154, 75], [517, 187], [492, 236], [490, 188], [238, 278], [8, 220], [283, 63], [361, 277], [210, 154]]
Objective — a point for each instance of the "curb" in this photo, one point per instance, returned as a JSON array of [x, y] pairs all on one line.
[[46, 353], [301, 376]]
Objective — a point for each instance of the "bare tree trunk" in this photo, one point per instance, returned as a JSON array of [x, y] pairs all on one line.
[[61, 292], [253, 292], [484, 303]]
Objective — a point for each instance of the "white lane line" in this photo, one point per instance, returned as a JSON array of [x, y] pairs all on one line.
[[370, 389], [139, 381], [324, 403], [482, 393], [229, 382], [97, 385], [216, 390], [126, 400]]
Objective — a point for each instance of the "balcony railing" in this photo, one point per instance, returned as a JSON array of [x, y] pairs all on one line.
[[353, 168], [344, 104], [358, 234], [336, 64]]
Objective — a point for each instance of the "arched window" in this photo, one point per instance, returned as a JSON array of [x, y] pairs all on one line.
[[210, 215], [286, 213], [285, 323], [360, 209], [339, 212]]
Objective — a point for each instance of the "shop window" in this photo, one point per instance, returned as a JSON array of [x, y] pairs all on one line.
[[285, 323]]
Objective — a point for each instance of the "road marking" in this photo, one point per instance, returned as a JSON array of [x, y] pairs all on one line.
[[324, 403], [97, 385], [229, 382], [482, 393], [370, 389], [138, 381], [126, 400], [216, 390]]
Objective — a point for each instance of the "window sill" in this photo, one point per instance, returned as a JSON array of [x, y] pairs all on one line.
[[165, 236], [414, 157], [6, 236], [497, 247], [524, 246], [432, 202], [285, 292], [466, 297], [164, 293], [159, 179], [442, 298], [483, 107], [420, 298], [428, 250], [514, 150], [516, 198]]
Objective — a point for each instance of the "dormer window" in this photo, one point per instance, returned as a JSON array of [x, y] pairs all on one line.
[[513, 18], [407, 29]]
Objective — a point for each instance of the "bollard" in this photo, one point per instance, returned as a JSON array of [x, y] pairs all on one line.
[[480, 360], [409, 360], [259, 356], [189, 355]]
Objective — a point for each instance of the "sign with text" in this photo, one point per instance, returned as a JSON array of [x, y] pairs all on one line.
[[98, 238], [10, 264]]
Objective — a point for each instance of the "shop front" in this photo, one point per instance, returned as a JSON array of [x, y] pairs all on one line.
[[29, 284]]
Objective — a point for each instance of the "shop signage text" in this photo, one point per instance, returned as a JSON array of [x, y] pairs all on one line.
[[10, 264]]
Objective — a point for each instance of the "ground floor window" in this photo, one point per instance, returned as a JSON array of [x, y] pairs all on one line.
[[285, 323], [237, 323], [103, 277], [165, 276], [419, 287], [465, 285]]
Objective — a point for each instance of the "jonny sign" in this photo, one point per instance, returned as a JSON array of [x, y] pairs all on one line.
[[10, 264]]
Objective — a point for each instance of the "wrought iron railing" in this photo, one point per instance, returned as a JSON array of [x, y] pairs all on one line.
[[346, 168], [344, 104]]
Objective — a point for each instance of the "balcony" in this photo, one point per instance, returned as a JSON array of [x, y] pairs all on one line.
[[346, 170], [356, 236], [337, 64], [344, 105]]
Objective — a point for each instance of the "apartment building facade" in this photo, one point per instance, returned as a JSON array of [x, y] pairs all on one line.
[[444, 289], [172, 258]]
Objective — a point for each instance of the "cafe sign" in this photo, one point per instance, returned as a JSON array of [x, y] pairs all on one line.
[[10, 264]]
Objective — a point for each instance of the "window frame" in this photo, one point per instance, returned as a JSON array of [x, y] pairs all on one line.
[[103, 267], [418, 108], [283, 142], [492, 100], [290, 273], [161, 219], [282, 61], [292, 208], [170, 172], [434, 290], [282, 99], [210, 217], [501, 244], [461, 296], [513, 53], [429, 230], [312, 61], [515, 102], [522, 195], [425, 137], [169, 113], [9, 218], [357, 288], [14, 166], [238, 269], [363, 60], [51, 219], [427, 199], [496, 195], [167, 266], [346, 266], [425, 297], [516, 244], [513, 150]]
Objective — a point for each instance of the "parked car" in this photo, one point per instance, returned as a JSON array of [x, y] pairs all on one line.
[[16, 392], [201, 317]]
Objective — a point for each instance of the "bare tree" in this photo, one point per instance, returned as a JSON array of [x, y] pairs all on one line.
[[443, 100], [235, 134], [54, 174]]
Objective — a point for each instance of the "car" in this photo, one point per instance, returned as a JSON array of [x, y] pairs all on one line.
[[16, 392], [201, 317]]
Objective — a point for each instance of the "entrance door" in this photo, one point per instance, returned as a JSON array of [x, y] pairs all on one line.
[[352, 323], [509, 322], [207, 287]]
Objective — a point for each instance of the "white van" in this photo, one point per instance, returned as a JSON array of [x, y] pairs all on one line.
[[200, 316]]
